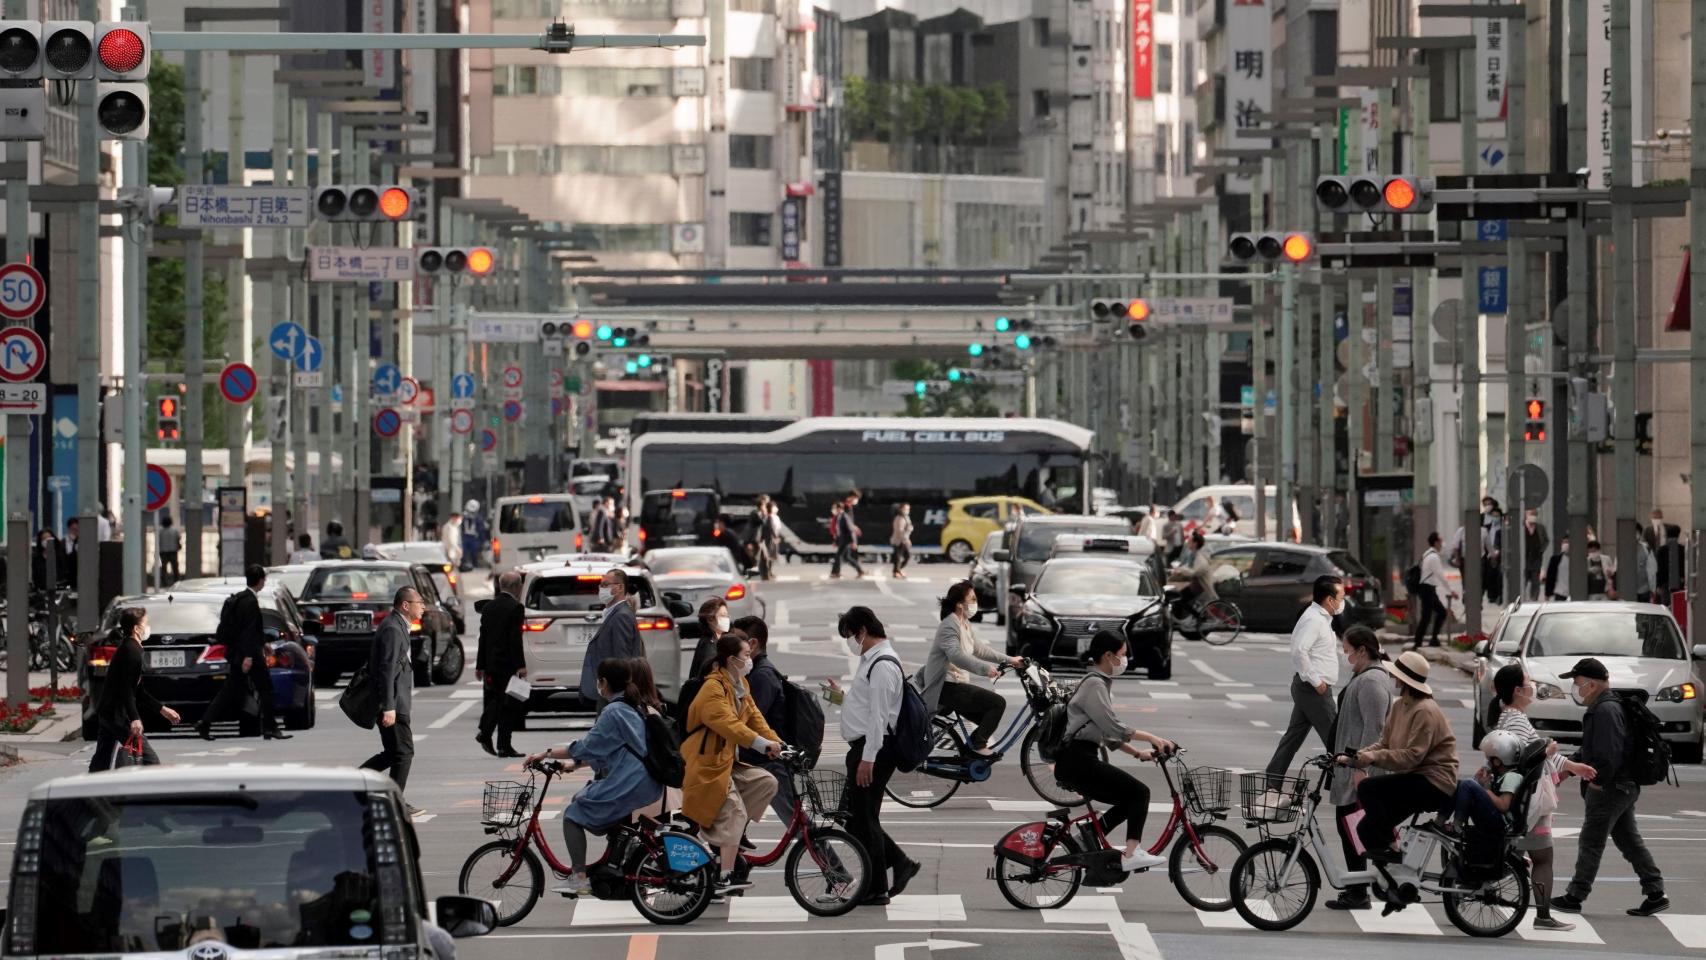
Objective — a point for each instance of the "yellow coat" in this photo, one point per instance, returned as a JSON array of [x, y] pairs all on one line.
[[710, 752]]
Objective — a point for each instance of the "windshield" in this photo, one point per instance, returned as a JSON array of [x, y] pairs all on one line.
[[610, 468], [577, 594], [1036, 539], [427, 553], [292, 580], [1347, 564], [1606, 633], [265, 870], [372, 584], [697, 561], [1094, 580], [589, 485], [528, 516], [200, 615], [673, 515]]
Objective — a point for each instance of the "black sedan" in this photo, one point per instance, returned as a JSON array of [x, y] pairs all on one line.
[[1078, 596], [1279, 580], [182, 666], [346, 600]]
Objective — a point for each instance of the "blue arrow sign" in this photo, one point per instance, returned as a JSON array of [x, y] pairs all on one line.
[[387, 379], [462, 386], [308, 358], [286, 338], [337, 393]]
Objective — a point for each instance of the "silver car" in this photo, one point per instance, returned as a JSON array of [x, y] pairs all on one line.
[[696, 574], [1639, 643]]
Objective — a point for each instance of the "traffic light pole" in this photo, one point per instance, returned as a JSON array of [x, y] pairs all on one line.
[[330, 337], [1580, 307], [88, 349], [354, 161], [18, 433], [132, 227], [1469, 355], [1517, 316], [278, 424], [1697, 331], [1624, 487], [194, 414], [1287, 399], [304, 480]]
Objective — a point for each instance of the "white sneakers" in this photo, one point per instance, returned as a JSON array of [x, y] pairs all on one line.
[[1141, 860], [1274, 800]]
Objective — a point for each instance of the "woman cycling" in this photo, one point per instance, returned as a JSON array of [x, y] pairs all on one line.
[[118, 712], [717, 793], [613, 748], [1091, 724], [945, 684], [1419, 754]]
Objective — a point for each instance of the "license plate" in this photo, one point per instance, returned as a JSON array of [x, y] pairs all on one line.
[[354, 622], [1084, 645], [163, 659], [576, 635]]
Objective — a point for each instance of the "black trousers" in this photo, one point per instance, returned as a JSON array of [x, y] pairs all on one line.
[[169, 572], [397, 751], [498, 710], [1353, 861], [1433, 610], [236, 689], [979, 705], [1081, 767], [1389, 800], [900, 556], [848, 554], [864, 822], [107, 745]]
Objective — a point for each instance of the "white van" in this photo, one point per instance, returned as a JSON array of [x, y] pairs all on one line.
[[530, 528], [1193, 509]]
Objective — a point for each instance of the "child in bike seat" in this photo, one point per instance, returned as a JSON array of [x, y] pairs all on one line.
[[1486, 800]]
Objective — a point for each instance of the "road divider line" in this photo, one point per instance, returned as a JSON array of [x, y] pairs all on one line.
[[1134, 941], [643, 946], [450, 717], [1209, 671]]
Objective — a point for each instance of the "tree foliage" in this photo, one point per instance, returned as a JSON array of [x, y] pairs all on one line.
[[963, 398]]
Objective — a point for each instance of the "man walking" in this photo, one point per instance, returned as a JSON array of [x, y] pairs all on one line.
[[171, 542], [500, 658], [1535, 540], [1432, 594], [451, 536], [602, 526], [1492, 551], [847, 539], [1669, 561], [1315, 668], [393, 677], [1610, 797], [618, 635], [240, 631]]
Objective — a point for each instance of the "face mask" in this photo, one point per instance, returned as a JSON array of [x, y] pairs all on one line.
[[723, 623], [853, 646], [744, 668], [147, 632], [606, 595], [1576, 696]]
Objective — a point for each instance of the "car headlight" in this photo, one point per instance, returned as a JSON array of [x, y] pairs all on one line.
[[1146, 624], [1548, 691], [1035, 620], [1678, 694]]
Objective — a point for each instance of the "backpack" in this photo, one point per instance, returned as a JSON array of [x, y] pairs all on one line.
[[1648, 755], [802, 719], [1051, 729], [1413, 578], [689, 691], [908, 744], [663, 759]]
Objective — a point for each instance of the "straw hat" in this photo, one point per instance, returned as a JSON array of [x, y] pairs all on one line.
[[1411, 669]]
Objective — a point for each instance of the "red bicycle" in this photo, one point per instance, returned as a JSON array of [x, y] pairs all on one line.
[[1042, 865], [828, 868], [669, 874]]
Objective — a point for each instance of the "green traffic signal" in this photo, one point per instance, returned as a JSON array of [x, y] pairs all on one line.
[[619, 341], [1002, 324], [631, 367], [1022, 341], [975, 349], [605, 332], [919, 387], [955, 375], [644, 360]]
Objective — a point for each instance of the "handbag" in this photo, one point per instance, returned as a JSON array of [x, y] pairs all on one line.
[[519, 688], [359, 701], [1545, 800], [130, 752]]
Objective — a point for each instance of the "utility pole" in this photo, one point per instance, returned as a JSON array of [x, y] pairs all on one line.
[[1580, 308], [1623, 307], [195, 417], [1697, 331], [280, 393], [1520, 309], [1469, 356], [325, 300], [88, 348], [18, 431]]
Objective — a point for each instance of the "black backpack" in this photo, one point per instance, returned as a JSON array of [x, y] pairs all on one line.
[[689, 691], [802, 718], [1413, 578], [908, 744], [1648, 757], [1052, 735], [663, 759]]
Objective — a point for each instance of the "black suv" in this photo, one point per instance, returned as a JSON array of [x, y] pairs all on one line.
[[1079, 595]]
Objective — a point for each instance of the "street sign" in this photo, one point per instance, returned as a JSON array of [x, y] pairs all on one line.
[[488, 441], [337, 397], [1191, 309], [22, 291], [427, 402], [238, 383], [1492, 231], [285, 339], [462, 421], [462, 387], [363, 265], [386, 379], [311, 354], [23, 399], [219, 205], [556, 407], [407, 390], [504, 328], [311, 380], [22, 355], [512, 410], [1529, 486], [512, 377], [557, 380], [159, 487], [386, 423], [1492, 285]]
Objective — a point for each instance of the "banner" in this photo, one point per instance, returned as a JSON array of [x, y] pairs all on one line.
[[1249, 89], [1143, 50]]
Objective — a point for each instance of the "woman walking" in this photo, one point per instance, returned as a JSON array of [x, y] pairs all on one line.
[[118, 712], [947, 686], [1362, 709], [900, 539], [713, 623]]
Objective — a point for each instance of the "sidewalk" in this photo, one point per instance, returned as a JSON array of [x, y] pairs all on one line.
[[66, 723]]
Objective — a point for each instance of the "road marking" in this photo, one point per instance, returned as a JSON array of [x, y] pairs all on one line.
[[927, 908], [1565, 833], [1692, 813], [1250, 697], [888, 591], [1235, 705], [643, 946], [1020, 806], [1414, 921], [422, 817], [1134, 941], [1211, 673], [1235, 683], [1583, 933], [1097, 910], [1259, 723], [750, 909], [1233, 649], [604, 913], [1222, 920], [1169, 695], [782, 614], [450, 718], [1688, 929], [466, 694]]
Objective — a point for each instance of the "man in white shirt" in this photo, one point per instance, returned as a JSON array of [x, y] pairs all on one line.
[[1432, 595], [451, 536], [869, 711], [1315, 666]]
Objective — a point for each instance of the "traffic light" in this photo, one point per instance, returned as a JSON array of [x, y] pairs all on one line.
[[124, 51], [374, 203], [68, 50], [1137, 314], [975, 350], [454, 261], [1644, 434], [1105, 309], [1290, 247], [1022, 342], [955, 375], [166, 411], [20, 49], [920, 388], [1534, 427], [1375, 194]]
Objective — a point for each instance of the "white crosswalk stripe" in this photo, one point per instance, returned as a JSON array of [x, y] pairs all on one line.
[[1583, 933]]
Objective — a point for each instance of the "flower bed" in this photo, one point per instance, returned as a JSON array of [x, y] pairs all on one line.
[[1467, 641], [22, 718], [62, 695]]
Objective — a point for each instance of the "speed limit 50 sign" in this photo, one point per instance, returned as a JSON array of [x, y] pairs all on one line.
[[22, 292]]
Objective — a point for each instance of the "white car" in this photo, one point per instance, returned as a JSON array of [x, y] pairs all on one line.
[[532, 527], [1194, 508], [696, 574]]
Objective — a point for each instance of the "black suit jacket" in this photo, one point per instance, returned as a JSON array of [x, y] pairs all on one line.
[[240, 627], [389, 665], [500, 654], [121, 691]]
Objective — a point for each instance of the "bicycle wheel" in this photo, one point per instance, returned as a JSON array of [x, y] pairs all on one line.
[[1205, 880], [1045, 887], [1265, 899], [484, 876], [919, 788], [1221, 622], [828, 876], [1497, 907], [664, 896], [1040, 773]]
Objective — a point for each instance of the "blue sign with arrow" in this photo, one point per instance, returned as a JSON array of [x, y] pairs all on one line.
[[462, 386], [387, 379], [309, 357], [286, 339]]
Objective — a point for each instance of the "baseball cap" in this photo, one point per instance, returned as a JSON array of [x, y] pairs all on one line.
[[1587, 667]]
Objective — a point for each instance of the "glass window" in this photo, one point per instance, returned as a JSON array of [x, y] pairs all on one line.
[[1347, 565], [1163, 148], [525, 80], [1240, 560], [662, 562], [1606, 633], [1280, 563], [1189, 145], [1037, 539], [752, 73], [1086, 579], [1041, 24], [612, 81], [750, 151], [982, 511], [495, 165], [1163, 6], [177, 618], [749, 229], [356, 583], [535, 516], [428, 552], [1039, 102], [1444, 101], [753, 6], [1164, 68]]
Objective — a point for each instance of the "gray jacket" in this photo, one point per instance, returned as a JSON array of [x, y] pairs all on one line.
[[617, 636], [946, 648], [1090, 713], [389, 665], [1362, 712]]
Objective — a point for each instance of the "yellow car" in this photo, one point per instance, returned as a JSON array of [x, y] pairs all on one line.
[[970, 519]]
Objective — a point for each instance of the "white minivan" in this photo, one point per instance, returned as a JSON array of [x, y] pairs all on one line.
[[1194, 508], [530, 528]]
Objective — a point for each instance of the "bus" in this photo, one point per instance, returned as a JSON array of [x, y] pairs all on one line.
[[807, 465]]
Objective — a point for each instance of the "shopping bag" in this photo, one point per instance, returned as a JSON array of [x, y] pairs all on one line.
[[1351, 820], [519, 688]]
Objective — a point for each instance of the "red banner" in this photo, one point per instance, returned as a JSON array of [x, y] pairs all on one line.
[[823, 387], [1143, 49]]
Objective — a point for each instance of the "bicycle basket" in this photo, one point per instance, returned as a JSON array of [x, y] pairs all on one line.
[[1271, 799], [505, 803], [1207, 790], [821, 791]]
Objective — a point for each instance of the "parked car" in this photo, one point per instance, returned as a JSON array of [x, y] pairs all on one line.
[[432, 555], [696, 574], [1279, 583], [217, 862], [350, 598], [972, 519], [1079, 594], [292, 576], [182, 666], [1194, 508], [1640, 645], [531, 527], [682, 517], [1033, 538]]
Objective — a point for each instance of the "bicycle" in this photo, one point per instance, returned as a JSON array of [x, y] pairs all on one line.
[[951, 763], [668, 874], [1046, 853], [1217, 622], [61, 652], [1275, 881], [827, 858]]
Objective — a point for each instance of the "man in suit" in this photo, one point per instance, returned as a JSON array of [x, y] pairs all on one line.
[[604, 536], [499, 659], [393, 675], [618, 635], [241, 632]]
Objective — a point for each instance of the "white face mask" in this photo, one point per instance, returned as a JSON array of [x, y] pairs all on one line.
[[722, 622], [744, 668], [606, 594], [853, 646], [146, 632], [1576, 696]]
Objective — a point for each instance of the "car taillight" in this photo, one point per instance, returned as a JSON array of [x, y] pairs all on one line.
[[654, 623], [535, 624], [578, 542], [497, 549], [101, 656], [735, 592], [214, 653], [451, 577], [642, 536], [414, 626], [280, 659]]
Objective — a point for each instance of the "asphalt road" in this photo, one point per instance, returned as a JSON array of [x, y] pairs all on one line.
[[1225, 705]]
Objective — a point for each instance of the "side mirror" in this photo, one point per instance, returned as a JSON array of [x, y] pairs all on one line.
[[677, 607], [480, 605], [1507, 648], [1481, 649], [1003, 556], [465, 916], [671, 596], [1700, 651], [311, 628], [1019, 589]]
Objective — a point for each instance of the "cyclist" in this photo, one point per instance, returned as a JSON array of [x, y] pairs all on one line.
[[1419, 754], [613, 748], [1090, 724], [1200, 590], [944, 682]]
